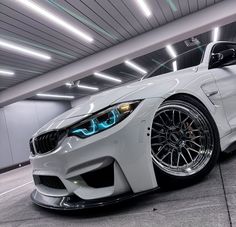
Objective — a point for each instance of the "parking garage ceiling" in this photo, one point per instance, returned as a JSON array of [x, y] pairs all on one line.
[[91, 26], [148, 62]]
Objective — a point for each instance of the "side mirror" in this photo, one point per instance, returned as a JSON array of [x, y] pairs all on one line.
[[222, 58]]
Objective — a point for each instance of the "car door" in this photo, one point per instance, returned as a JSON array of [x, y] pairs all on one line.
[[226, 81]]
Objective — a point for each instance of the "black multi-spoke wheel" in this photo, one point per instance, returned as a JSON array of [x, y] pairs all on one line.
[[184, 140]]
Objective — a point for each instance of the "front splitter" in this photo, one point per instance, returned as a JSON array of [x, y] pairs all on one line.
[[75, 203]]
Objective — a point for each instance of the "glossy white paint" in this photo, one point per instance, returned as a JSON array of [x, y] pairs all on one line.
[[127, 142]]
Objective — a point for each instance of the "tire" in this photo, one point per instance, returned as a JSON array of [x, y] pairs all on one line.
[[184, 141]]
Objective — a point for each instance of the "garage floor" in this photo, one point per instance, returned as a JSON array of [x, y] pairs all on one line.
[[211, 202]]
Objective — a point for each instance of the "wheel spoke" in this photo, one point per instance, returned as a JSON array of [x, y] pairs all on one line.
[[163, 121], [182, 123], [165, 156], [189, 153], [189, 148], [183, 158], [178, 160], [158, 132], [168, 117], [160, 149], [195, 137], [192, 138], [159, 136], [159, 125], [158, 144], [185, 119], [193, 130], [196, 144], [190, 125], [179, 117], [173, 117]]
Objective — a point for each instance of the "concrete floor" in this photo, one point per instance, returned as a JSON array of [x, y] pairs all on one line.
[[211, 202]]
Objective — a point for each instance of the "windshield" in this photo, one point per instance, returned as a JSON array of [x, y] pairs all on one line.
[[185, 60]]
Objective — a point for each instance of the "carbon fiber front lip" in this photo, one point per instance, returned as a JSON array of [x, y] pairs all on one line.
[[75, 203]]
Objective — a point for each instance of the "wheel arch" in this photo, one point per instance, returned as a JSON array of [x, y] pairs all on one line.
[[187, 97], [182, 96]]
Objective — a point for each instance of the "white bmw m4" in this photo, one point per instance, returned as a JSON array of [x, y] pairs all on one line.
[[167, 128]]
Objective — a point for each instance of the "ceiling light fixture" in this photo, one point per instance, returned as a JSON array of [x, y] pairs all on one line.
[[174, 64], [23, 50], [144, 7], [87, 87], [56, 96], [6, 72], [56, 19], [135, 67], [106, 77], [216, 32], [171, 51], [172, 5], [70, 84]]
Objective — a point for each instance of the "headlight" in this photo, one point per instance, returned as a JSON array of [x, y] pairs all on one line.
[[103, 120]]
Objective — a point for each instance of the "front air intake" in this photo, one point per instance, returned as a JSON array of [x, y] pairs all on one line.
[[47, 142], [51, 182], [100, 178]]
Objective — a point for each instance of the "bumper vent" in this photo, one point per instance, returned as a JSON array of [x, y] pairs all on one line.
[[51, 182], [100, 178], [46, 142]]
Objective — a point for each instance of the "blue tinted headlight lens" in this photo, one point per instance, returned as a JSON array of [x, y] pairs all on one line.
[[103, 120]]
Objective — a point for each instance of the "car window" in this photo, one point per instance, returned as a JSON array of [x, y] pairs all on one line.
[[187, 59], [222, 46]]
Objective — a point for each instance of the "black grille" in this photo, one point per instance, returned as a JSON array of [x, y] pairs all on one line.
[[51, 182], [47, 142], [32, 147]]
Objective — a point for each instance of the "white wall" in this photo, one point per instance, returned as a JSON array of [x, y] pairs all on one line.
[[76, 102], [18, 122]]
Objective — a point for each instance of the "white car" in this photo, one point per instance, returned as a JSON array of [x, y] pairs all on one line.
[[166, 129]]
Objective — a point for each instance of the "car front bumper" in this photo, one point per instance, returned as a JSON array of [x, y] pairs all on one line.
[[123, 149], [75, 203]]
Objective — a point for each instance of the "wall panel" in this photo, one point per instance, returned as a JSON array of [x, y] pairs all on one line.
[[5, 150], [18, 122]]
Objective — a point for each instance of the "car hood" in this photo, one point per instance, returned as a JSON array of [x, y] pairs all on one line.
[[152, 87], [91, 105], [99, 101]]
